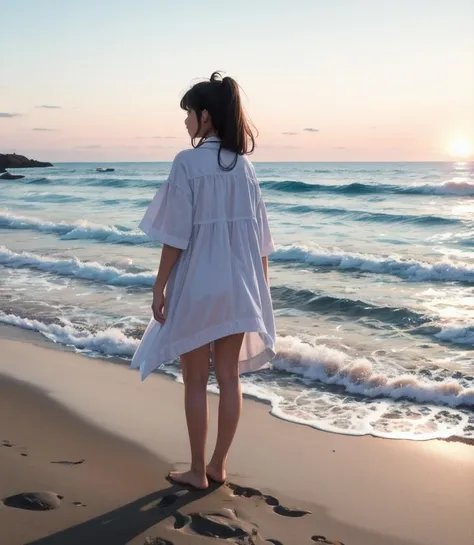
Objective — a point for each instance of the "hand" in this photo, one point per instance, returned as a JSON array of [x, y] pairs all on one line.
[[158, 306]]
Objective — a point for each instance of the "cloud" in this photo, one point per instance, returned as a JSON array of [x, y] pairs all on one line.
[[49, 107], [311, 129], [8, 114], [92, 146], [44, 129], [340, 147], [289, 133], [164, 137]]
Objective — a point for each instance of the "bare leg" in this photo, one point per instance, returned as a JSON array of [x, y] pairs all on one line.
[[195, 374], [226, 359]]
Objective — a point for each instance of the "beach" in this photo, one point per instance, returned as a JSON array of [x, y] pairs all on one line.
[[342, 151], [91, 432]]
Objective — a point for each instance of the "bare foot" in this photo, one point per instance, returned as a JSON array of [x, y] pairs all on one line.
[[191, 478], [216, 473]]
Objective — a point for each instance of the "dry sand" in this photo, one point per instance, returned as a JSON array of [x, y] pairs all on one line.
[[92, 434]]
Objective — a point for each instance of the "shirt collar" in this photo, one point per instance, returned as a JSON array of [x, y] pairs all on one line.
[[212, 140]]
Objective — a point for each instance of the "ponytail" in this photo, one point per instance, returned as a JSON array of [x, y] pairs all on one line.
[[221, 98]]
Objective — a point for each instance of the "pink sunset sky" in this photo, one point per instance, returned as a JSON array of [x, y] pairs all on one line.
[[343, 80]]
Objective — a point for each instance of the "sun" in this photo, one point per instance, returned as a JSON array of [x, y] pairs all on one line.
[[460, 149]]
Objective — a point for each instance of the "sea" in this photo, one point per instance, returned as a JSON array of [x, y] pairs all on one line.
[[372, 283]]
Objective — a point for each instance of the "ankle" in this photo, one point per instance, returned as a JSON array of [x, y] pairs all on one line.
[[198, 468], [217, 463]]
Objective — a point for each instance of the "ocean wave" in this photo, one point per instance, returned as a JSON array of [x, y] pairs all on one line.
[[282, 295], [317, 363], [408, 269], [302, 300], [76, 268], [117, 183], [293, 186], [463, 238], [113, 182], [458, 335], [78, 230], [52, 198], [326, 304], [360, 215], [110, 342], [96, 181], [38, 181], [357, 376], [456, 187], [450, 187]]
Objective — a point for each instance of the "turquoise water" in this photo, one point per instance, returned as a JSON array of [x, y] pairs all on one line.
[[372, 283]]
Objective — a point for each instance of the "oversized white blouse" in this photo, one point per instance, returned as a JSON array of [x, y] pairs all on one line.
[[217, 287]]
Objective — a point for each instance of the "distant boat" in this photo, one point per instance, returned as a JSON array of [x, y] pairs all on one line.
[[102, 169]]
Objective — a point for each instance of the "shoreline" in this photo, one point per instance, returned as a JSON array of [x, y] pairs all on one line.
[[361, 490], [36, 337], [33, 336]]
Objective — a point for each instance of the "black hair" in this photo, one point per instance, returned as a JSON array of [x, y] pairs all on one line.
[[221, 98]]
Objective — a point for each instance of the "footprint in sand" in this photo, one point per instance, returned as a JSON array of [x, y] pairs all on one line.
[[222, 525], [9, 444], [325, 541], [287, 512], [168, 500], [68, 463], [34, 501], [248, 492]]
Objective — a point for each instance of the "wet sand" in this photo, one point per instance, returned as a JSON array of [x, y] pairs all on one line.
[[102, 443]]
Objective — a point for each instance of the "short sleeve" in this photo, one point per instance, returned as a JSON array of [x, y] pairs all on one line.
[[168, 218], [266, 240]]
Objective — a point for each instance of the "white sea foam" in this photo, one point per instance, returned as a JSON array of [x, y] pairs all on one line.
[[111, 342], [458, 335], [409, 269], [466, 238], [451, 187], [318, 363], [78, 230], [76, 268], [357, 376]]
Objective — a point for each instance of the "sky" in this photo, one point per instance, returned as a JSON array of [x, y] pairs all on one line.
[[323, 80]]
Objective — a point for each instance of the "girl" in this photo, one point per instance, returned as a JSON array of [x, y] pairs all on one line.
[[211, 298]]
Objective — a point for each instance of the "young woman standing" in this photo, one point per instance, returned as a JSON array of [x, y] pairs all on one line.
[[211, 298]]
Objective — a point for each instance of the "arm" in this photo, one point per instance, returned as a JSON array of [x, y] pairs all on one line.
[[169, 257], [265, 269]]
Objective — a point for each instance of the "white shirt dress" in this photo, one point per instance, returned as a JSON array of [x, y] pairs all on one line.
[[217, 287]]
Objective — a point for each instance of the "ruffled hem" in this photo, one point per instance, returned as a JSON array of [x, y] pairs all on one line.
[[147, 360]]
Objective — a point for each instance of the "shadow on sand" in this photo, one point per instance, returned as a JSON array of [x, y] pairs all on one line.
[[123, 524]]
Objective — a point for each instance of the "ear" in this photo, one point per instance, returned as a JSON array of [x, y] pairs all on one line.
[[205, 116]]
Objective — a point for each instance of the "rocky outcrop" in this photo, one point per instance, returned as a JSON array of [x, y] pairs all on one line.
[[8, 176], [12, 160]]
